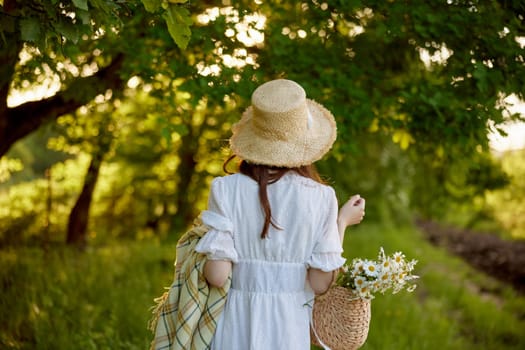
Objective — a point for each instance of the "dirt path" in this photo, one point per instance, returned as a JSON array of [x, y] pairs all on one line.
[[504, 260]]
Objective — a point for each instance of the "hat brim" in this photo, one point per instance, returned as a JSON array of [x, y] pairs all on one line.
[[312, 146]]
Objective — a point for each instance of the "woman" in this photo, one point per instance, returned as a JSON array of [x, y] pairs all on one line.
[[274, 226]]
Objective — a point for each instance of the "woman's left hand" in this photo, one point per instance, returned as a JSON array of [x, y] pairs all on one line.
[[352, 212]]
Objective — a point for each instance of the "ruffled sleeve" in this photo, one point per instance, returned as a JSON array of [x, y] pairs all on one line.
[[326, 254], [218, 243]]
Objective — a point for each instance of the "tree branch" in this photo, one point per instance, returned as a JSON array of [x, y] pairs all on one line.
[[28, 117]]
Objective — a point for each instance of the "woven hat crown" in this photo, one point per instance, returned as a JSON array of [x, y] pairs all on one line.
[[280, 110], [282, 127]]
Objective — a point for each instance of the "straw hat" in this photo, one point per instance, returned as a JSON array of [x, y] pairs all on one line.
[[282, 127]]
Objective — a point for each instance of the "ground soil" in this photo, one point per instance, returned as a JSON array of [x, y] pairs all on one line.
[[502, 259]]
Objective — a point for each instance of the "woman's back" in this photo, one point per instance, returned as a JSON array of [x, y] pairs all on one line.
[[300, 207], [268, 304]]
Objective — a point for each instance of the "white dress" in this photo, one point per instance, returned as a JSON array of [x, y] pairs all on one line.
[[269, 302]]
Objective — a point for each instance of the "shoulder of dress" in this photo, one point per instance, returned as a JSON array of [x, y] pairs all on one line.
[[307, 182], [232, 180]]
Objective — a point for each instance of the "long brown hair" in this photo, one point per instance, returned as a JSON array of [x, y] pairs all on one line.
[[266, 175]]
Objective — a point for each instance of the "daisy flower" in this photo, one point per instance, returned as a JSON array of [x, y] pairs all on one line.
[[388, 273], [360, 282], [386, 264], [370, 269], [398, 257]]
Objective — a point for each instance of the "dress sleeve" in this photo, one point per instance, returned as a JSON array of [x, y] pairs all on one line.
[[218, 242], [326, 254]]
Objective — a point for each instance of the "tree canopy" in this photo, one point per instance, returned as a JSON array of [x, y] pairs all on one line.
[[431, 77]]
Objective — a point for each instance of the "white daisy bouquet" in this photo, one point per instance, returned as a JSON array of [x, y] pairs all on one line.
[[388, 273]]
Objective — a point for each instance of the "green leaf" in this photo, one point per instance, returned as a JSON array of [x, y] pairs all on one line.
[[480, 73], [81, 4], [165, 132], [106, 6], [30, 29], [84, 16], [68, 30], [179, 21], [180, 129], [152, 5]]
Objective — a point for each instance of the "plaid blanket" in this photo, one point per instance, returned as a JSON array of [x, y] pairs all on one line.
[[185, 317]]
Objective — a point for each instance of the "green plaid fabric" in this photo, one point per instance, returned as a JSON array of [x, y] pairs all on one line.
[[185, 316]]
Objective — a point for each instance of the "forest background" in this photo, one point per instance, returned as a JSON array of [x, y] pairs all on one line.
[[115, 116]]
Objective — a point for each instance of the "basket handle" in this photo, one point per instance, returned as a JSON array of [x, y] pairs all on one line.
[[319, 341]]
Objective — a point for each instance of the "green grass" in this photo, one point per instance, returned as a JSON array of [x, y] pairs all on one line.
[[100, 299], [454, 306]]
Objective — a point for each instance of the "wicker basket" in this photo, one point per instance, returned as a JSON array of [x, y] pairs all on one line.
[[339, 322]]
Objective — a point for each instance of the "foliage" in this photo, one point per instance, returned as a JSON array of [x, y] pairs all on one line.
[[373, 78], [44, 24], [137, 192], [508, 205], [9, 166], [379, 171], [445, 181], [36, 211], [362, 59], [34, 156], [373, 72]]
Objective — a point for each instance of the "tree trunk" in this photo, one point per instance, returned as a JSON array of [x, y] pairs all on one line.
[[79, 216], [8, 59], [185, 209], [186, 170]]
